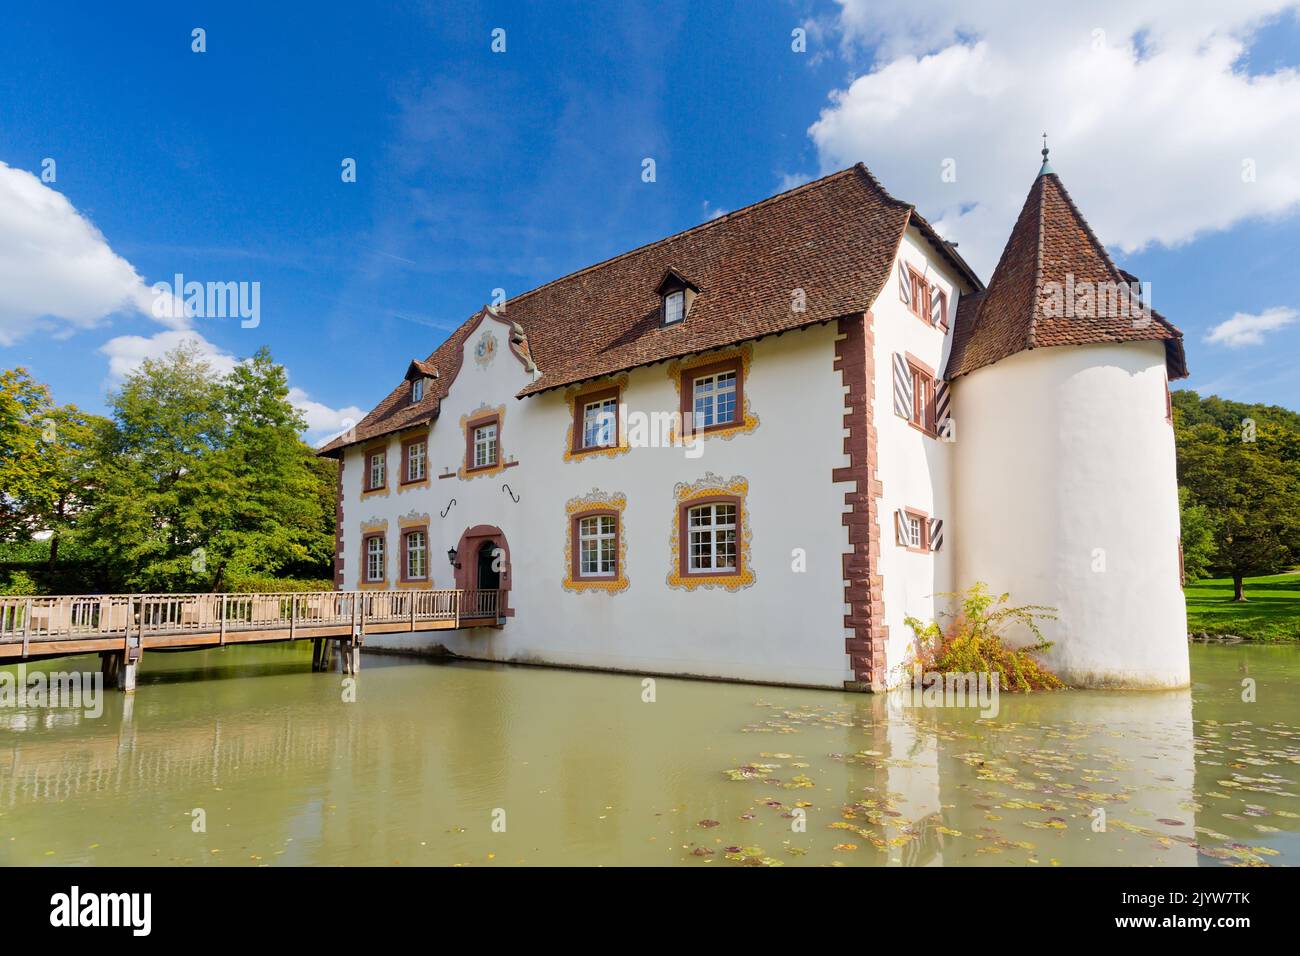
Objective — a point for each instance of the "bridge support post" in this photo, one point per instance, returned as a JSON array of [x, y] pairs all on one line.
[[317, 654], [108, 666]]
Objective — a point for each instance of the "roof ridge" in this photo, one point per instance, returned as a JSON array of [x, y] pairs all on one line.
[[726, 217], [1038, 264]]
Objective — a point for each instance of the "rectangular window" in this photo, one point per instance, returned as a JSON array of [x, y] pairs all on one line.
[[417, 390], [375, 558], [914, 526], [922, 388], [715, 399], [485, 445], [600, 423], [674, 307], [597, 546], [376, 475], [416, 457], [913, 529], [417, 555], [711, 538]]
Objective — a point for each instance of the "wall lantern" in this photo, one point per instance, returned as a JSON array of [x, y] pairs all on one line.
[[451, 557]]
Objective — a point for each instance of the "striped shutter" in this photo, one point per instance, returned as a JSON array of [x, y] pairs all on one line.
[[904, 285], [942, 408], [936, 534], [938, 312], [902, 386], [900, 527]]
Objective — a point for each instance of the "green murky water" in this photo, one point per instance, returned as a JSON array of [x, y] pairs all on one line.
[[581, 771]]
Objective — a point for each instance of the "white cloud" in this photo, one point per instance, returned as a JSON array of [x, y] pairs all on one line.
[[125, 354], [1245, 329], [57, 272], [324, 423], [789, 181], [1150, 112]]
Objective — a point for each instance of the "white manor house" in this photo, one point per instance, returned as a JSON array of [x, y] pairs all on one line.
[[750, 450]]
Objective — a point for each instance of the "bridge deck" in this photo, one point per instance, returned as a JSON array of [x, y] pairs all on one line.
[[53, 626]]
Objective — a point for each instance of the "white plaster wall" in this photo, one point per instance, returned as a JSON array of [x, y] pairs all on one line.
[[1065, 461], [916, 470], [787, 627]]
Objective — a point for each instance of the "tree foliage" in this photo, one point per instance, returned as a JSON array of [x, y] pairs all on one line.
[[202, 479], [1241, 464], [47, 466]]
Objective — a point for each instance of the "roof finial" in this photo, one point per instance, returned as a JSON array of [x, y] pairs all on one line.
[[1047, 166]]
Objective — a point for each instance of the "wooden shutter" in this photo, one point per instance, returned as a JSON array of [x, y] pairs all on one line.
[[936, 534], [938, 308], [942, 408], [902, 386], [904, 285], [900, 528]]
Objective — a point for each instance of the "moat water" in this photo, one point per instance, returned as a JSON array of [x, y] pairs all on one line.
[[488, 765]]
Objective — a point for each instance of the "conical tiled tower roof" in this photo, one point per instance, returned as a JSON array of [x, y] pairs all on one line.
[[1039, 294]]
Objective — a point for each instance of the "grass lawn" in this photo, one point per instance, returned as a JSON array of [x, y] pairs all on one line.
[[1271, 611]]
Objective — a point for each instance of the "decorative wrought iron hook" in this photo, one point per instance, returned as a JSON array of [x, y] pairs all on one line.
[[448, 508], [508, 490]]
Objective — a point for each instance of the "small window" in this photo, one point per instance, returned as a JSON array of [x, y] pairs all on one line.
[[714, 399], [376, 474], [922, 400], [598, 546], [599, 423], [674, 306], [913, 529], [485, 445], [416, 461], [915, 292], [914, 526], [711, 538], [417, 555], [417, 390], [375, 558]]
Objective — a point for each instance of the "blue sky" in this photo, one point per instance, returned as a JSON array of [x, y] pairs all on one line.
[[478, 170]]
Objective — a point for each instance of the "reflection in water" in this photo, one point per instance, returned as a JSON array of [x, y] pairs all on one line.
[[286, 771]]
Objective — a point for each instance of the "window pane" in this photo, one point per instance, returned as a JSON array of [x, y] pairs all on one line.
[[598, 423], [673, 306]]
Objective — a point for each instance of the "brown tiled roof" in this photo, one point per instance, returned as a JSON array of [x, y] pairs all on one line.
[[424, 368], [834, 238], [1050, 241]]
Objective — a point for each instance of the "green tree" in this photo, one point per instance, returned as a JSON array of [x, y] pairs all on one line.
[[47, 460], [23, 403], [1199, 536], [204, 477], [1247, 478]]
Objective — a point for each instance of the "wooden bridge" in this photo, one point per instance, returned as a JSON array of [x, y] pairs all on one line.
[[120, 627]]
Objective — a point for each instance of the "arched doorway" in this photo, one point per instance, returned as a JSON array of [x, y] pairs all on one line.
[[489, 566], [483, 563]]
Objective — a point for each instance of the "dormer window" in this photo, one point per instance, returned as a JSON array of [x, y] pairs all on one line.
[[677, 294], [419, 375], [674, 307]]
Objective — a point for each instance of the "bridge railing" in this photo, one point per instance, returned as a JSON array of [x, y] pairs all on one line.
[[49, 617]]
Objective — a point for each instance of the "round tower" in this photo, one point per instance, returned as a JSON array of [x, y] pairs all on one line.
[[1066, 492]]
